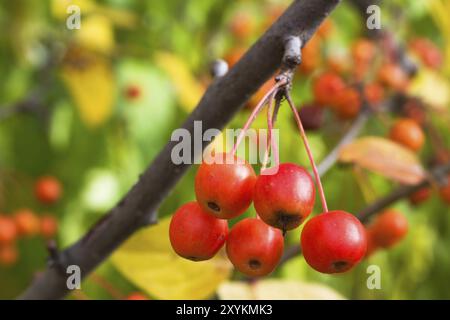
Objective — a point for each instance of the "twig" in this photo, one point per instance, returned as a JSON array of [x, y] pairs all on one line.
[[221, 101], [349, 136]]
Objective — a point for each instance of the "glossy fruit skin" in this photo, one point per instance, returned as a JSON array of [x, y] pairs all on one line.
[[444, 192], [311, 116], [333, 242], [225, 190], [420, 196], [8, 255], [8, 230], [285, 199], [48, 189], [195, 234], [348, 103], [407, 133], [48, 226], [26, 222], [254, 248], [136, 296], [326, 87], [389, 228]]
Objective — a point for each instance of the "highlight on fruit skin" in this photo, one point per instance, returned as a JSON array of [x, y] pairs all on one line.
[[254, 248], [333, 242], [285, 199], [195, 234], [225, 190]]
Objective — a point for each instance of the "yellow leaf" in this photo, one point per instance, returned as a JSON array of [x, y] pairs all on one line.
[[277, 290], [119, 17], [96, 34], [384, 157], [148, 261], [432, 88], [91, 84], [188, 89], [59, 7]]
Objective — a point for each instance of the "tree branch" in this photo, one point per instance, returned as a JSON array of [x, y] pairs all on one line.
[[221, 101]]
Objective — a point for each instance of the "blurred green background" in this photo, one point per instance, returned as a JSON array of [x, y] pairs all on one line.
[[93, 106]]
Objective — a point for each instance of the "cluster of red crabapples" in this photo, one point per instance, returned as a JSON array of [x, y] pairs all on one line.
[[283, 197], [331, 242], [25, 223]]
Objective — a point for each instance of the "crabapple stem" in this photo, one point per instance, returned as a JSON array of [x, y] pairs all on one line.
[[269, 126], [308, 151], [254, 114]]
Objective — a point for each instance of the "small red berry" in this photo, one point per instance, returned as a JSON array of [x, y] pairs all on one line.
[[8, 230], [428, 52], [283, 200], [374, 93], [393, 77], [389, 228], [371, 245], [311, 116], [132, 92], [136, 296], [326, 87], [444, 192], [363, 51], [420, 196], [26, 222], [225, 189], [242, 25], [48, 189], [254, 248], [408, 133], [48, 226], [8, 255], [311, 57], [412, 109], [333, 242], [195, 234], [347, 103]]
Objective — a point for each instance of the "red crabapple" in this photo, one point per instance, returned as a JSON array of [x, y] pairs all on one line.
[[254, 248], [195, 234], [333, 242]]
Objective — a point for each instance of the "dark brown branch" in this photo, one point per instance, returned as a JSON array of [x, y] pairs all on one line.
[[219, 104]]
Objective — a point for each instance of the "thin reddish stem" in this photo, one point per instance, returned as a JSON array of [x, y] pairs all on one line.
[[254, 114], [308, 151], [269, 127]]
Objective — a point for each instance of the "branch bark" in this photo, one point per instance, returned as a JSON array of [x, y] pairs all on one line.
[[221, 101]]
